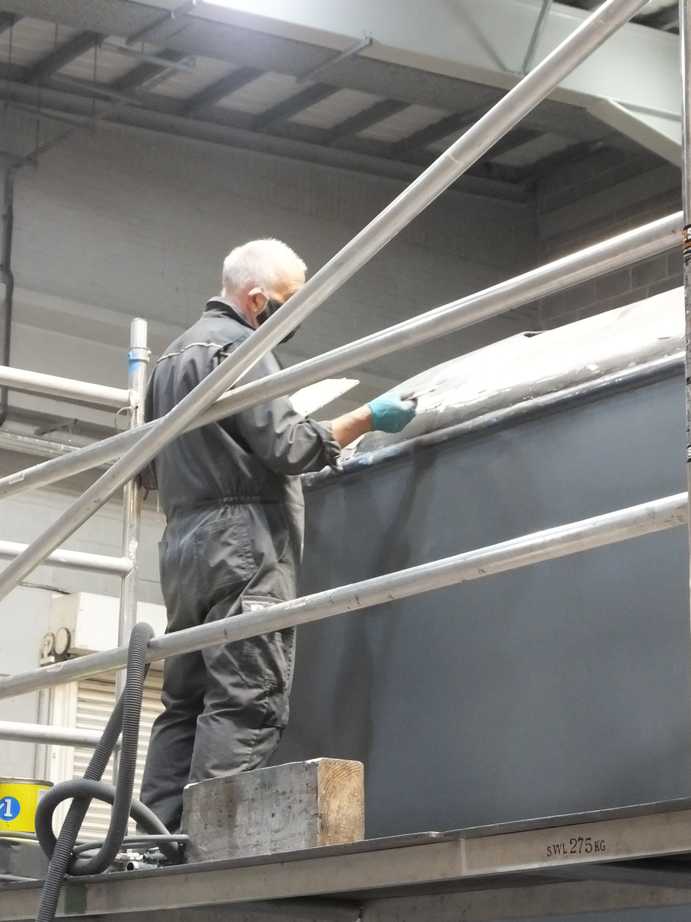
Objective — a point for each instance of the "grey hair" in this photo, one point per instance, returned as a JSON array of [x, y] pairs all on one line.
[[265, 263]]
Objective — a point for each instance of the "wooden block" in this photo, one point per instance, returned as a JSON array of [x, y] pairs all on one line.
[[278, 809]]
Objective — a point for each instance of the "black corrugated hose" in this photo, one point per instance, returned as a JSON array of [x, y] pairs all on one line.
[[125, 717]]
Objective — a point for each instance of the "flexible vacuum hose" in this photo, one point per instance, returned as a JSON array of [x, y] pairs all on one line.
[[125, 718]]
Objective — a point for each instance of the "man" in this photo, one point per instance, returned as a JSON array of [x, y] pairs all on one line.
[[233, 537]]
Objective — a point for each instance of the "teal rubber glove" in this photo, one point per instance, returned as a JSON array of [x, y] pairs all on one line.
[[390, 413]]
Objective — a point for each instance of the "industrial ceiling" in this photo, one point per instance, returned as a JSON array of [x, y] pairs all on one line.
[[659, 14], [212, 71]]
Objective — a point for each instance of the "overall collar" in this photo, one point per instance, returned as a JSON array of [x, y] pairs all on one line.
[[224, 306]]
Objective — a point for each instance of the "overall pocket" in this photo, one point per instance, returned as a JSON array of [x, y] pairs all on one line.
[[223, 552], [273, 657], [180, 585]]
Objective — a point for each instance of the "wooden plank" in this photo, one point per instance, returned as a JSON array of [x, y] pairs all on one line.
[[278, 809]]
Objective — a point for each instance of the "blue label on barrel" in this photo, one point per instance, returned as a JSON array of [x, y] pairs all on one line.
[[10, 808]]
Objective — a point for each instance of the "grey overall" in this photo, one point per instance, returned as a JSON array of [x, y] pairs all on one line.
[[232, 542]]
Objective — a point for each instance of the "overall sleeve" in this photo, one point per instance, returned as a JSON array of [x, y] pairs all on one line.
[[285, 441]]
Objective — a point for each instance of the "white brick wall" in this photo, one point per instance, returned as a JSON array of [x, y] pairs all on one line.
[[582, 204]]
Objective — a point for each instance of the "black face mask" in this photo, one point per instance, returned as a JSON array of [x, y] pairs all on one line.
[[270, 308]]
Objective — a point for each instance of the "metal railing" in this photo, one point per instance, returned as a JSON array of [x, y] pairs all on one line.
[[34, 382], [48, 734], [685, 37], [208, 400], [549, 544], [125, 566]]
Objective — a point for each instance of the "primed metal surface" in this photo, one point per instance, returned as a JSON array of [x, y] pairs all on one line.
[[479, 563], [527, 367], [564, 687]]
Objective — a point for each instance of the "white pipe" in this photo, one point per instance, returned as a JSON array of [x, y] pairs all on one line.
[[138, 365], [44, 733], [98, 563], [35, 382]]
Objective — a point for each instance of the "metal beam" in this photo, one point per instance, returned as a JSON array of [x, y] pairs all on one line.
[[318, 71], [550, 164], [75, 47], [481, 862], [165, 19], [144, 73], [537, 35], [77, 560], [138, 358], [219, 127], [36, 382], [685, 36], [217, 91], [91, 89], [19, 443], [285, 110], [517, 138], [451, 124], [665, 19], [381, 110], [141, 56], [437, 131], [655, 132], [47, 734], [529, 899], [421, 50], [479, 42]]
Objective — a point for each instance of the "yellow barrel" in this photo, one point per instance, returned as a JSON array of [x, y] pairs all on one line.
[[19, 798]]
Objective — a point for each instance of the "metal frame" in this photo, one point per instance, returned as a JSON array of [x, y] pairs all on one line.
[[685, 39], [83, 392], [544, 852], [548, 544], [137, 364], [537, 35], [461, 155], [487, 854], [46, 733], [125, 566]]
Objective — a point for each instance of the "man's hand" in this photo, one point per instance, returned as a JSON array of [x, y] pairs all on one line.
[[391, 414], [385, 414]]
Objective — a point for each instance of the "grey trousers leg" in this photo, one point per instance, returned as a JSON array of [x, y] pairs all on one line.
[[225, 709]]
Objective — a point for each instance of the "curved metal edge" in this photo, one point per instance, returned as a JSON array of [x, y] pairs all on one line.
[[527, 409]]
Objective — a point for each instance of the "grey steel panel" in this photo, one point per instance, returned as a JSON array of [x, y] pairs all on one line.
[[557, 689], [21, 857], [479, 863]]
